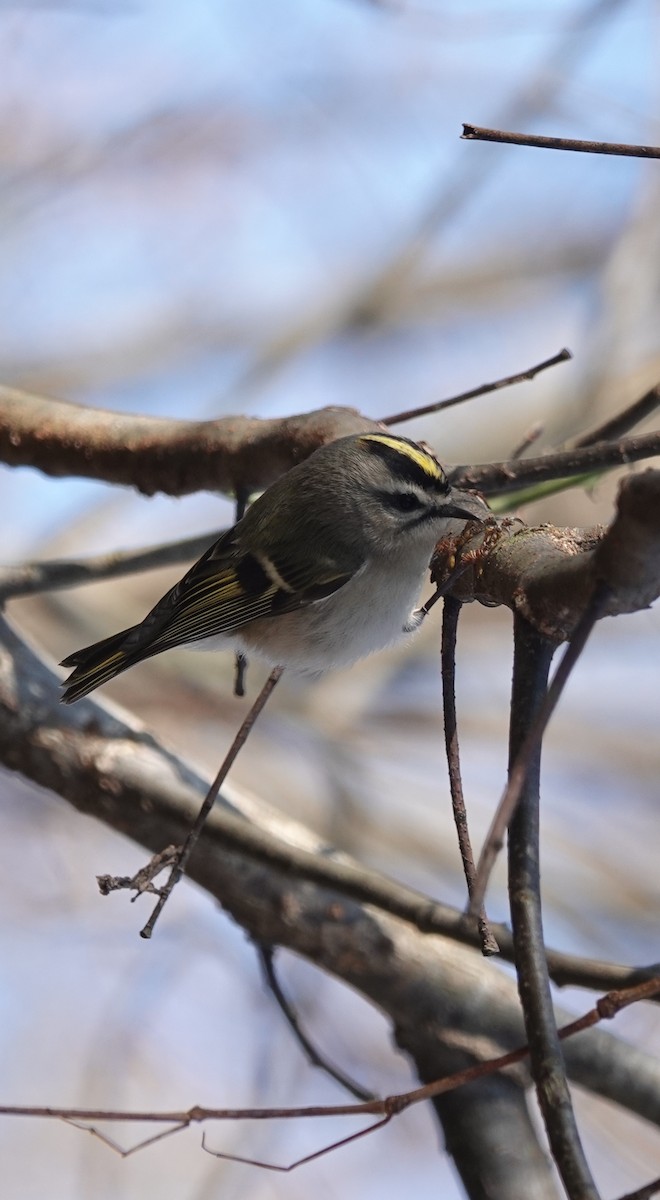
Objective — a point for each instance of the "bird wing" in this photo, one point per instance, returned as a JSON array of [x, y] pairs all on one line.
[[227, 588]]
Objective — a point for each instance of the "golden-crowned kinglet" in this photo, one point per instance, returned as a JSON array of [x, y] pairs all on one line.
[[324, 568]]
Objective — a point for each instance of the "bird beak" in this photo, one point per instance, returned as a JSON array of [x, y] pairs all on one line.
[[466, 506]]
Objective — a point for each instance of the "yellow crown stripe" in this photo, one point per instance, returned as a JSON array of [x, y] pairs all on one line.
[[415, 453]]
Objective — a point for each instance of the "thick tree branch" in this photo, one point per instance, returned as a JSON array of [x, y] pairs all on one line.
[[156, 454], [503, 1122], [270, 875], [237, 454], [515, 566], [548, 575], [287, 888]]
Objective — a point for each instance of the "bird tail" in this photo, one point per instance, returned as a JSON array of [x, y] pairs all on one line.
[[97, 664]]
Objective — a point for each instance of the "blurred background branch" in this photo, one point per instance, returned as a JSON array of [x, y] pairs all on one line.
[[423, 983]]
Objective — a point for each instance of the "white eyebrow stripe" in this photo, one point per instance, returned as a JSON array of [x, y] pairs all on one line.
[[409, 489], [272, 572]]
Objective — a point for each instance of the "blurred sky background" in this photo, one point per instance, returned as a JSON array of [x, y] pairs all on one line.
[[241, 205]]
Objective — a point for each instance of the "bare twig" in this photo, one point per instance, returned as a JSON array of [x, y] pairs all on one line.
[[532, 658], [533, 97], [142, 880], [483, 390], [72, 751], [149, 780], [606, 1008], [533, 434], [472, 133], [450, 617], [193, 836], [625, 562], [644, 1193], [307, 1158], [529, 747], [56, 574], [622, 422], [126, 1151], [266, 958], [498, 479]]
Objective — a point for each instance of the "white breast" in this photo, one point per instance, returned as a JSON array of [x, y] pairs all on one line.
[[366, 614]]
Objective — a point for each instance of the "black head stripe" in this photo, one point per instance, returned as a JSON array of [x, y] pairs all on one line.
[[407, 461]]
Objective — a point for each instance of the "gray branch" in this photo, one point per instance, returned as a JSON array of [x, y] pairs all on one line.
[[448, 1005]]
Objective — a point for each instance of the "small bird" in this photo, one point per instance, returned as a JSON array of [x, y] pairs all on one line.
[[324, 568]]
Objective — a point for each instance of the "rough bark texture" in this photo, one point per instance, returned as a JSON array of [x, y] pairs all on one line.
[[155, 454], [548, 575], [236, 454], [441, 997], [449, 1008]]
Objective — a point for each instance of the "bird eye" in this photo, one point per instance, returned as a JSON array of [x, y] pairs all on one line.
[[405, 501]]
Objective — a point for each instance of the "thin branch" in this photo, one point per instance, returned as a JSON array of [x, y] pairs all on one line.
[[450, 617], [142, 881], [606, 1009], [307, 1158], [415, 981], [532, 658], [529, 748], [148, 779], [620, 424], [56, 574], [644, 1193], [498, 479], [483, 390], [266, 958], [533, 434], [472, 133], [194, 834], [533, 97], [126, 1151]]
